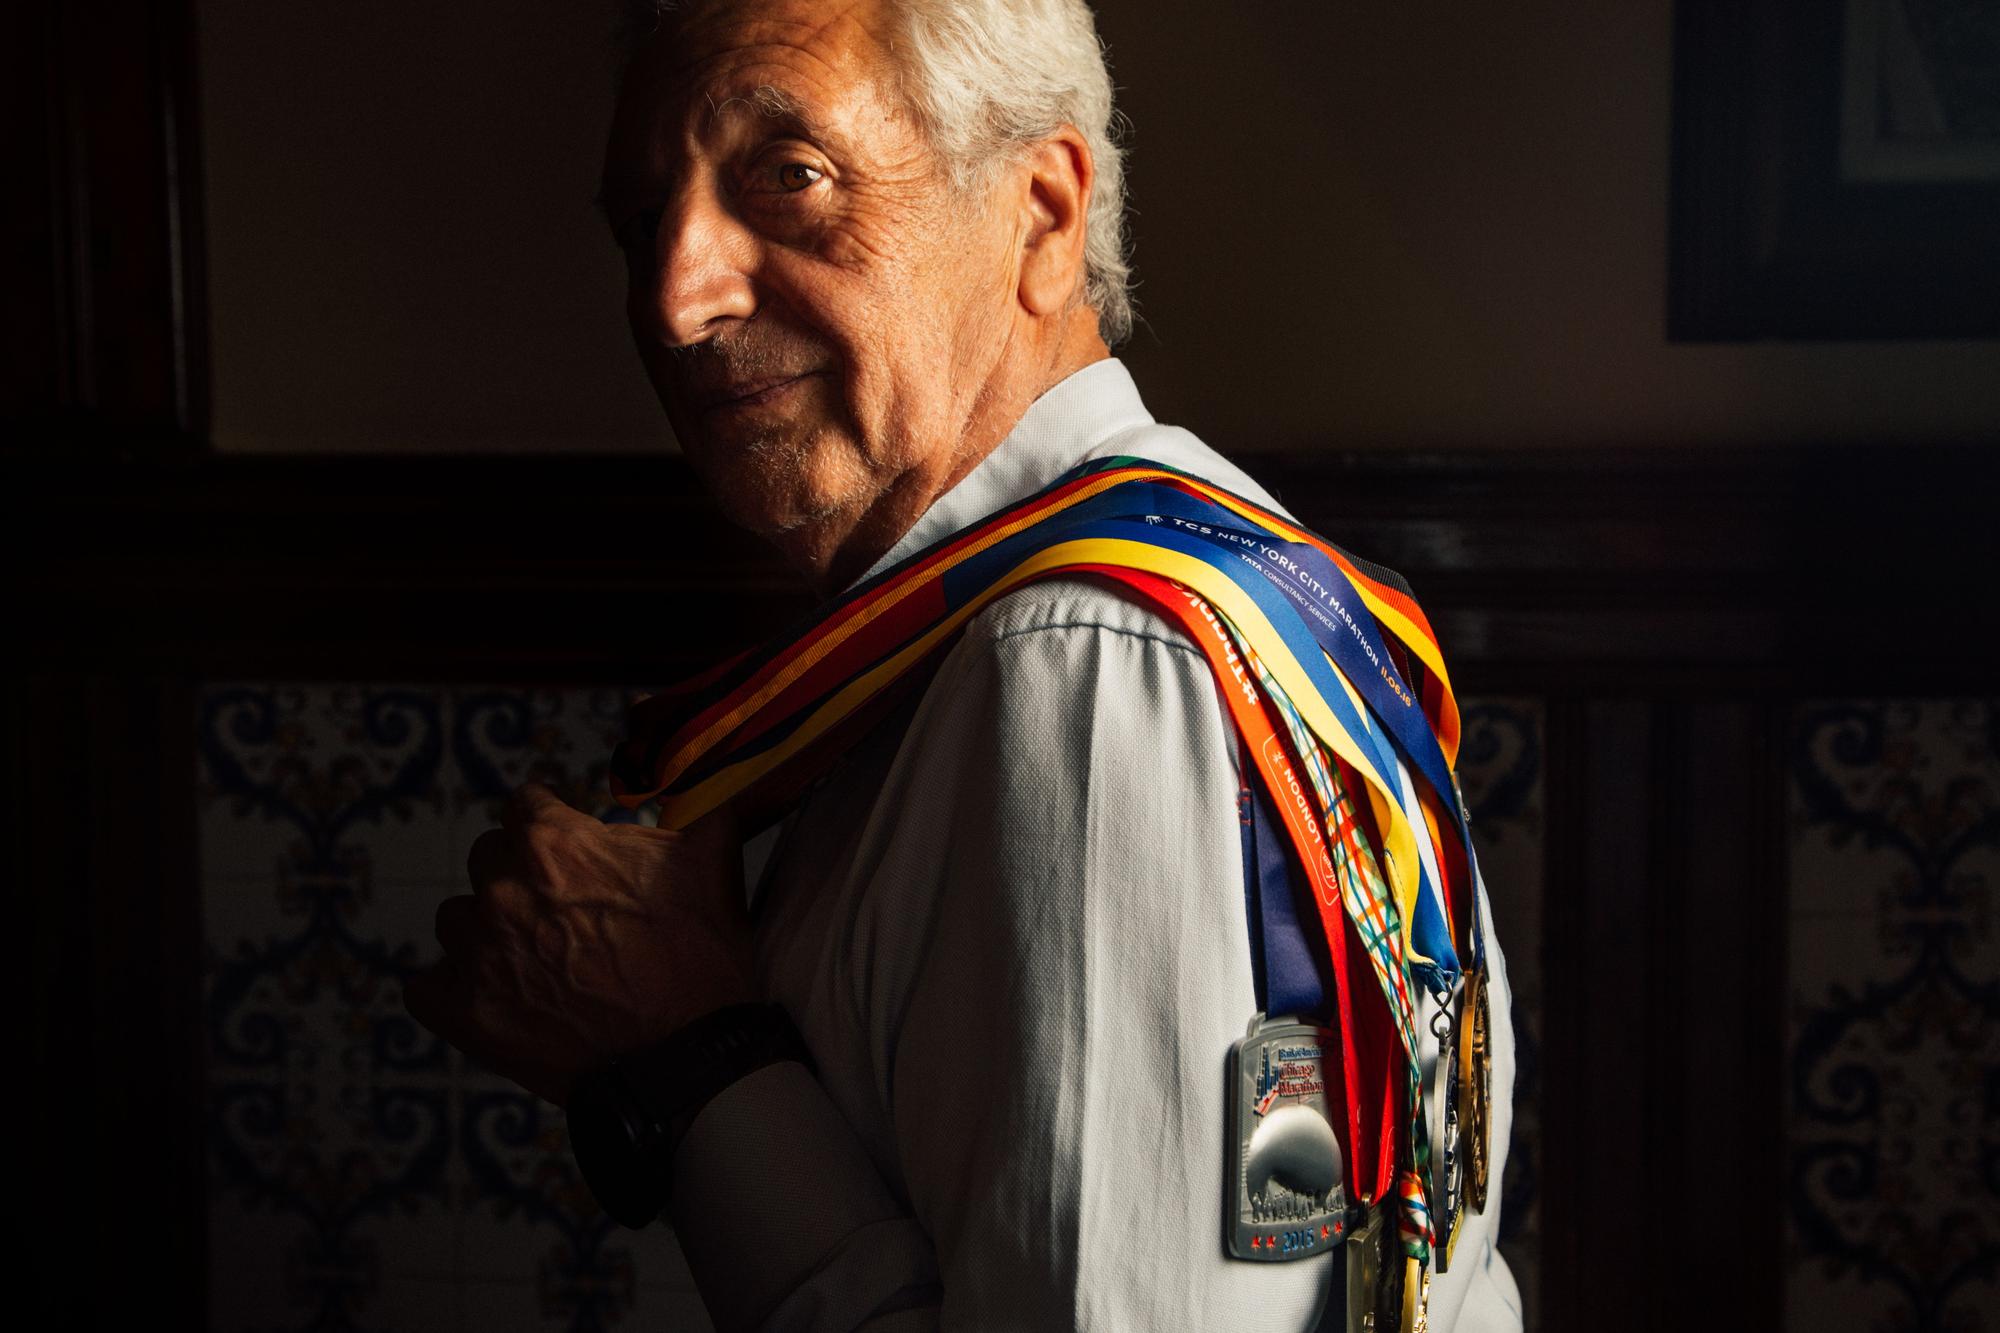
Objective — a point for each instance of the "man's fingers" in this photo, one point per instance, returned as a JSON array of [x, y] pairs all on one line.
[[435, 997], [441, 999], [491, 857], [533, 801], [458, 925]]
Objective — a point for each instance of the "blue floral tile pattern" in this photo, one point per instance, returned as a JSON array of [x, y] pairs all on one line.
[[1500, 769], [1894, 1112], [362, 1176]]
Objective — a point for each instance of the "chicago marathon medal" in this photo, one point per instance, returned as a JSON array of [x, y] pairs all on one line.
[[1287, 1178], [1471, 1097]]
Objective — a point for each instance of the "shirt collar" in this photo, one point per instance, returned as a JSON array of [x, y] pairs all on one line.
[[1077, 419]]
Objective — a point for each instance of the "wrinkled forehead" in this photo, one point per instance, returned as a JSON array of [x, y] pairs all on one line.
[[826, 65]]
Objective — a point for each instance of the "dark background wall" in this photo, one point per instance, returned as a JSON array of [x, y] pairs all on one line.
[[1358, 225], [287, 283], [404, 249]]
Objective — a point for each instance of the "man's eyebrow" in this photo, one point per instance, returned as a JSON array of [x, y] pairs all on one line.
[[776, 104]]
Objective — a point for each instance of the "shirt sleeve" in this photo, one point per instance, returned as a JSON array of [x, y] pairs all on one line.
[[785, 1222], [1060, 1056], [1053, 965]]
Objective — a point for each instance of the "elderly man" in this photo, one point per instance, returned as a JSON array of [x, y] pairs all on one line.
[[875, 265]]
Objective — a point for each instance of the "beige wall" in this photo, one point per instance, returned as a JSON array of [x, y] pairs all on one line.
[[1358, 224], [403, 248]]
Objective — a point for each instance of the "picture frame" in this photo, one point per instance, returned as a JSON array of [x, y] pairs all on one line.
[[1835, 170]]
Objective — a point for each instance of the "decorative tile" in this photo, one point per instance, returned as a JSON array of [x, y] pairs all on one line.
[[1501, 772], [362, 1176], [301, 776], [501, 738], [1894, 966]]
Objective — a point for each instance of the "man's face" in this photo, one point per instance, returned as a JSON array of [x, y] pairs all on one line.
[[816, 311]]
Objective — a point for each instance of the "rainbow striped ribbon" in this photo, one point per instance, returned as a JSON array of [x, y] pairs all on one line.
[[1340, 647]]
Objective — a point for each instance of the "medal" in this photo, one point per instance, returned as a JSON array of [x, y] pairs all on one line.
[[1375, 1274], [1447, 1155], [1470, 1096], [1287, 1178], [1416, 1298]]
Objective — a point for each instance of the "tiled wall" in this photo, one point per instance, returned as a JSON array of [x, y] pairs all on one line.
[[361, 1176], [1893, 1181]]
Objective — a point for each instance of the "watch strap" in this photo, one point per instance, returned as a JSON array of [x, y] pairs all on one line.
[[627, 1120]]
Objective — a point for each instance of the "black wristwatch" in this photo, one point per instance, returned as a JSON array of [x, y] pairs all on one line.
[[626, 1120]]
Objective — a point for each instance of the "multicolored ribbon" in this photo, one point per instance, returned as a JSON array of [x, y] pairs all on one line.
[[1329, 669]]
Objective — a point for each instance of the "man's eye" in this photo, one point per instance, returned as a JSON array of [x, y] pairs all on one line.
[[796, 176]]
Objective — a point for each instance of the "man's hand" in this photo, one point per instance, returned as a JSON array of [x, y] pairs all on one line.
[[583, 941]]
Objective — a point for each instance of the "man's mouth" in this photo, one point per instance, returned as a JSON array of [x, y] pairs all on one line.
[[747, 394]]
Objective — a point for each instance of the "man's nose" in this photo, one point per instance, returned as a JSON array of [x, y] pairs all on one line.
[[701, 277]]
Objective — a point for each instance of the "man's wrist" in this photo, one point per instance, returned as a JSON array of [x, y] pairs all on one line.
[[626, 1120]]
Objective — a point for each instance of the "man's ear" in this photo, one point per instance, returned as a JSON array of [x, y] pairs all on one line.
[[1060, 174]]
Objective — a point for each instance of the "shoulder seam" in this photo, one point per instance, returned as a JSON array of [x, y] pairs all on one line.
[[1179, 645]]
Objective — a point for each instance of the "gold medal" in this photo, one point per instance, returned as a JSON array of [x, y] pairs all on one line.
[[1416, 1297], [1474, 1069]]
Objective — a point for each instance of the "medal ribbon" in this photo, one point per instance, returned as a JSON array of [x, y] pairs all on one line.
[[1330, 603], [698, 746], [1280, 615], [1371, 910], [1370, 1064]]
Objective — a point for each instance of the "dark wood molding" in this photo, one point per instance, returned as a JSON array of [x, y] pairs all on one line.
[[109, 328], [1663, 1014], [102, 857], [1767, 239], [1796, 570]]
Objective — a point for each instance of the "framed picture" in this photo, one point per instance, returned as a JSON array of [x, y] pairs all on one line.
[[1836, 170]]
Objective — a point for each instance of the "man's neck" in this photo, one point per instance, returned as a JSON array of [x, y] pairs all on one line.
[[833, 554]]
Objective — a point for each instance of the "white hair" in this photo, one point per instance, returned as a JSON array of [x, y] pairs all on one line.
[[987, 79]]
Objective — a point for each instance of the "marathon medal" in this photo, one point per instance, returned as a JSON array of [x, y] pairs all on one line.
[[1375, 1274], [1471, 1096], [1447, 1128], [1287, 1178]]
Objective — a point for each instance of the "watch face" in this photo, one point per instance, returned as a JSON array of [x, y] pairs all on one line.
[[605, 1134]]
